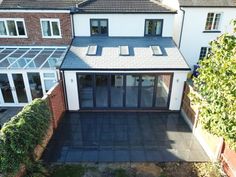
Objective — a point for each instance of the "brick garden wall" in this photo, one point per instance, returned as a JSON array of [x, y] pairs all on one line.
[[214, 145], [57, 103], [33, 29]]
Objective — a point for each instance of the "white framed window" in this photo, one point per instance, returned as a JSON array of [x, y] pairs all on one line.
[[12, 28], [213, 21], [50, 28], [204, 52], [50, 80]]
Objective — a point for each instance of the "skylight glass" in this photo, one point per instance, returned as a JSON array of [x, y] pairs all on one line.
[[156, 50], [31, 58], [124, 50], [92, 50]]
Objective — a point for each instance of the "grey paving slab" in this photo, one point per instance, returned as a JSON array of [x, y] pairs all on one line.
[[123, 137], [6, 113]]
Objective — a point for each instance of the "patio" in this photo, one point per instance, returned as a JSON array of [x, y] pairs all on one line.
[[123, 137], [6, 113]]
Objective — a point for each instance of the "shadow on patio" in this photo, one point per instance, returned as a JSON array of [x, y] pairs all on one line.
[[123, 137]]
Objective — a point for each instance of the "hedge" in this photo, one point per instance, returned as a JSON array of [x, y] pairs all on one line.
[[21, 134]]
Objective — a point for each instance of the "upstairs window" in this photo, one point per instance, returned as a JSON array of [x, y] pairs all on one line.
[[204, 52], [99, 27], [50, 28], [12, 28], [213, 21], [153, 27]]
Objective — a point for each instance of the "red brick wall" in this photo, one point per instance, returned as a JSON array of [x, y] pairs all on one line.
[[57, 103], [33, 28], [228, 158]]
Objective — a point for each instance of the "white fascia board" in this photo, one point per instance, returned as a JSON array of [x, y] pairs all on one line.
[[125, 71]]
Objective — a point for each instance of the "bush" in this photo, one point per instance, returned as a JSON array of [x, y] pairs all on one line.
[[216, 84], [21, 134]]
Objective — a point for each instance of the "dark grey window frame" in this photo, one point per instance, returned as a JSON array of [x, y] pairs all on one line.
[[124, 92], [162, 22], [99, 27]]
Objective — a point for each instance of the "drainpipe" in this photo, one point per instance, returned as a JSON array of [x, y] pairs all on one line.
[[64, 89], [182, 25]]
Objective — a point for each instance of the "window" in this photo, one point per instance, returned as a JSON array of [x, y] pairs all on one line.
[[153, 27], [99, 27], [12, 28], [50, 28], [49, 80], [204, 51], [213, 21]]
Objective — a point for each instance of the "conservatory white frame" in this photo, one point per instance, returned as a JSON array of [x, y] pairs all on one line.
[[24, 71]]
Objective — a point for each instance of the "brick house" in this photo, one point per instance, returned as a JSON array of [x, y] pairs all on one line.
[[34, 40]]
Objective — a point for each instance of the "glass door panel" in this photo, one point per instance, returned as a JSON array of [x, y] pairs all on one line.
[[35, 85], [101, 90], [20, 88], [147, 90], [162, 90], [117, 90], [6, 89], [86, 90], [132, 85]]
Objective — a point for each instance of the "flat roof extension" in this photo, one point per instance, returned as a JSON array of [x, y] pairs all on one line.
[[108, 55]]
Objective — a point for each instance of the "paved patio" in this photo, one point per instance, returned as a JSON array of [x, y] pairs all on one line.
[[123, 137], [6, 113]]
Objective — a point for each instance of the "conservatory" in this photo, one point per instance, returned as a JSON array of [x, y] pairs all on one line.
[[27, 73]]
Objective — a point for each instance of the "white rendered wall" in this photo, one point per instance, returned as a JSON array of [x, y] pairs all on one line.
[[193, 37], [71, 90], [176, 93], [177, 90], [123, 25]]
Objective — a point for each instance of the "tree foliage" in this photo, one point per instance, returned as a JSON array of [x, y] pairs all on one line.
[[21, 134], [216, 84]]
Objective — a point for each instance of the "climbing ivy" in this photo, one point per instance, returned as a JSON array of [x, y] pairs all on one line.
[[216, 85], [21, 134]]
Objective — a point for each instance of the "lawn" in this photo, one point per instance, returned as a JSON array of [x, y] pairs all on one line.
[[183, 169]]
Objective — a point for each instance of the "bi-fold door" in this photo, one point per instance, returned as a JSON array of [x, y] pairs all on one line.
[[124, 91]]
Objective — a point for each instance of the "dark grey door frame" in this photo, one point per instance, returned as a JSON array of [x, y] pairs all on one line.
[[124, 107]]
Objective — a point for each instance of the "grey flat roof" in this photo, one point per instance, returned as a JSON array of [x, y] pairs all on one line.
[[208, 3], [108, 56]]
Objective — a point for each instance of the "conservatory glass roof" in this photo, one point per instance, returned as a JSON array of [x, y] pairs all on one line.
[[31, 57]]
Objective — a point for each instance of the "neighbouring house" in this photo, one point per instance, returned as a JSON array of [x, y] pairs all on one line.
[[198, 22], [123, 57], [34, 39]]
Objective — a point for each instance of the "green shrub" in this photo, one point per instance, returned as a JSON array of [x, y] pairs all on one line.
[[21, 134], [216, 84]]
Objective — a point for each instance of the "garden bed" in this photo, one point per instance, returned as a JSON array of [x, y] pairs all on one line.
[[183, 169]]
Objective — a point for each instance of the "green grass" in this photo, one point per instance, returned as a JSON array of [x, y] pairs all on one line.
[[120, 173], [68, 171]]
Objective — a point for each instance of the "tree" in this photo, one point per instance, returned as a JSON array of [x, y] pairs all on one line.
[[216, 85]]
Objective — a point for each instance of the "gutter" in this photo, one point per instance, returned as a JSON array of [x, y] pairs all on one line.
[[182, 26]]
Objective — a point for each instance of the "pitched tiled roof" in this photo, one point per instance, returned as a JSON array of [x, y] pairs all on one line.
[[203, 3], [39, 4], [123, 6], [90, 6]]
